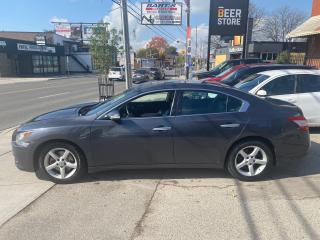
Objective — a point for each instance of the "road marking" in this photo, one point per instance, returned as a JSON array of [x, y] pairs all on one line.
[[53, 95]]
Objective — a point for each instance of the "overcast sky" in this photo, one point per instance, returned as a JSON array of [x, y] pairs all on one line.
[[35, 15]]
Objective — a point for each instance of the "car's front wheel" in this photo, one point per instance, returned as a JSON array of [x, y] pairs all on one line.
[[61, 163], [250, 160]]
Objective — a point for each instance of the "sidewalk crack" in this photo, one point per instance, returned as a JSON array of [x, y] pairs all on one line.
[[139, 228]]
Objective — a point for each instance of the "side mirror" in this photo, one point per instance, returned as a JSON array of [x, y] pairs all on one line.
[[262, 93], [114, 115]]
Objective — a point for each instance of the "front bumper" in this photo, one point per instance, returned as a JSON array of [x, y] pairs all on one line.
[[23, 157]]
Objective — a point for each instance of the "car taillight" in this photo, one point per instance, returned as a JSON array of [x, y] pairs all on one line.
[[301, 122]]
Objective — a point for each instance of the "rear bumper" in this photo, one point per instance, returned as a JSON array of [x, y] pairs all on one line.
[[23, 157], [293, 146]]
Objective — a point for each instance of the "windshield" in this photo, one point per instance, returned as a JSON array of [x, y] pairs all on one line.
[[108, 104], [220, 67], [251, 82], [224, 72]]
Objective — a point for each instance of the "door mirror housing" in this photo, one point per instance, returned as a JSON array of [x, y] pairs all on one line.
[[262, 93], [114, 115]]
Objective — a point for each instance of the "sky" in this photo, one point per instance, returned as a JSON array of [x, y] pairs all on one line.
[[36, 15]]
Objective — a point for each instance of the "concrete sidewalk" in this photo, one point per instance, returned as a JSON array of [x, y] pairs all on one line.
[[17, 189], [14, 80]]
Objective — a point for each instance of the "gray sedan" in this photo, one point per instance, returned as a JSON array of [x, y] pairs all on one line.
[[172, 124]]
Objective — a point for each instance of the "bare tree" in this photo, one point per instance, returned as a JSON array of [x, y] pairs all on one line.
[[281, 22], [258, 15]]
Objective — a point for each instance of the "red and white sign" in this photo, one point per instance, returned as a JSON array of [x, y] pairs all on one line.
[[161, 13], [63, 29]]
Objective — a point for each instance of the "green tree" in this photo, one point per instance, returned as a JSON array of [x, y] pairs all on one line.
[[171, 51], [103, 47], [148, 53], [284, 58]]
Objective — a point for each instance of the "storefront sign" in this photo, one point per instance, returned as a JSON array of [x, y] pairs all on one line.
[[3, 44], [161, 13], [228, 17], [235, 50], [35, 48]]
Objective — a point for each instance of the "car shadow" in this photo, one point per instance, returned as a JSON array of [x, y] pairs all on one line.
[[286, 168]]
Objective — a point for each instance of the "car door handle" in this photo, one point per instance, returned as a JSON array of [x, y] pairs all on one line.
[[161, 129], [230, 125]]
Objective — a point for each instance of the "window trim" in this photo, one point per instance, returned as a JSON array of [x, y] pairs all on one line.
[[244, 108], [298, 79], [258, 88], [102, 116]]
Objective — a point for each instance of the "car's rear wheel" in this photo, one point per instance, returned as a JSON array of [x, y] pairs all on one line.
[[61, 163], [250, 160]]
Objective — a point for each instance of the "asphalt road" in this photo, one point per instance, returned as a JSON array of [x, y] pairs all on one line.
[[22, 101]]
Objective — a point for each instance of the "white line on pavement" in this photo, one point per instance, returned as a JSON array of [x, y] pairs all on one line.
[[53, 95]]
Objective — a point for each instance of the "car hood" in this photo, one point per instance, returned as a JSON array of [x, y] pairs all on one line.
[[65, 113]]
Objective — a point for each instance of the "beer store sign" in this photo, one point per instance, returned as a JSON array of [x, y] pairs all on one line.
[[228, 17]]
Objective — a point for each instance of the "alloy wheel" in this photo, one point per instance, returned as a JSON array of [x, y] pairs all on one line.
[[251, 161], [60, 163]]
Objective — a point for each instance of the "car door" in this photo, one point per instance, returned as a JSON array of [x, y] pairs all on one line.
[[282, 88], [308, 97], [141, 137], [206, 123]]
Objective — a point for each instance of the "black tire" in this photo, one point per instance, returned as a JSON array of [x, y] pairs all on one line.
[[80, 171], [233, 154]]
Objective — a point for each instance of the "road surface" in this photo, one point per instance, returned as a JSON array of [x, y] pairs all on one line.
[[22, 101]]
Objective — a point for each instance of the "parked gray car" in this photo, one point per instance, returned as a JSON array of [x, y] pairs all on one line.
[[141, 76], [170, 124]]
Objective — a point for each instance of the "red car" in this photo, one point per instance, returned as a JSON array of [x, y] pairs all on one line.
[[224, 74], [229, 71]]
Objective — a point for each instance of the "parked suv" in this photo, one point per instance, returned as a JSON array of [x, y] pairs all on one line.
[[116, 73], [225, 66], [299, 87]]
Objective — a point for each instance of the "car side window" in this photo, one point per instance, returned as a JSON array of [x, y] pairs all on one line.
[[202, 102], [281, 86], [308, 83], [150, 105]]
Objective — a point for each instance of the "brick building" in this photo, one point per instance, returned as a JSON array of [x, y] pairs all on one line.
[[310, 30]]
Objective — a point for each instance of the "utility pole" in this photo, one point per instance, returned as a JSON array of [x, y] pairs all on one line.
[[188, 57], [197, 56], [126, 44]]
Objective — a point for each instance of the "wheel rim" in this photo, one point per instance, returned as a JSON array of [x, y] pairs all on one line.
[[60, 163], [251, 161]]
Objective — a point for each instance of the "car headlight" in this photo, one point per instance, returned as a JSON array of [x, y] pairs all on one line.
[[22, 138]]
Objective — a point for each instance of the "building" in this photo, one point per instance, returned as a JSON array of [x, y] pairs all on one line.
[[41, 53], [311, 31], [265, 50]]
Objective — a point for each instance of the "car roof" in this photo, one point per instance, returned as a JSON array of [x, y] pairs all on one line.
[[272, 73], [187, 84]]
